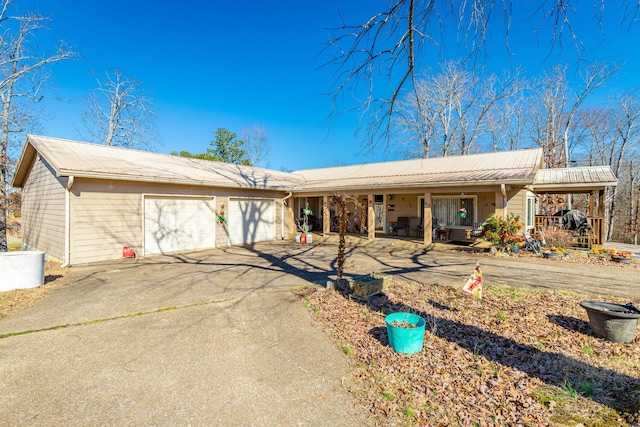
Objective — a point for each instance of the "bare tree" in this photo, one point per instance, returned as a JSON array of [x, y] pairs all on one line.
[[610, 135], [120, 113], [506, 125], [256, 144], [449, 112], [379, 60], [555, 104], [599, 132], [22, 75], [626, 145], [546, 109]]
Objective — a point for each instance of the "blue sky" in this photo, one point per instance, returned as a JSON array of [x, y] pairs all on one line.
[[234, 64]]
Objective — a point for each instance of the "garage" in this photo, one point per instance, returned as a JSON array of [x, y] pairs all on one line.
[[251, 220], [173, 224]]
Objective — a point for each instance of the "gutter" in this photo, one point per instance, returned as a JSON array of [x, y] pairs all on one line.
[[185, 181], [67, 223]]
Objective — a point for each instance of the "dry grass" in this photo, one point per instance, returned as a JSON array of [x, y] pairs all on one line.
[[515, 358], [19, 299], [13, 301]]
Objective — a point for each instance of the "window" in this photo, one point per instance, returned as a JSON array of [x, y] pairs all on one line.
[[446, 209], [531, 211]]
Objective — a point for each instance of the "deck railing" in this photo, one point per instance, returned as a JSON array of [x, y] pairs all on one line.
[[593, 236]]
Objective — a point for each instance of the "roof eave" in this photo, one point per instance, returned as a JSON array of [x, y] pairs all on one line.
[[586, 187], [27, 155], [151, 179], [409, 185]]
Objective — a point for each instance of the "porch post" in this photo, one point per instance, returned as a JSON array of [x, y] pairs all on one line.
[[500, 210], [371, 217], [601, 203], [326, 216], [291, 223], [427, 222], [602, 236]]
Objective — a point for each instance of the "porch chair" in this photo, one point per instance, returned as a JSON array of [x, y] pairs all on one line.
[[415, 224], [402, 225], [478, 229]]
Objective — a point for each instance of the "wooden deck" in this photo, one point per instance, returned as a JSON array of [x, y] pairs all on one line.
[[593, 236]]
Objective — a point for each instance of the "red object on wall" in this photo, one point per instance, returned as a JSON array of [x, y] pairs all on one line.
[[303, 238], [127, 252]]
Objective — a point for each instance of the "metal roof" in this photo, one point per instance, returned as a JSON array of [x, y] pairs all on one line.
[[522, 167], [82, 159], [514, 167], [586, 178]]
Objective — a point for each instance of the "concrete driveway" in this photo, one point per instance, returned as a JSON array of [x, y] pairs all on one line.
[[216, 337], [232, 346]]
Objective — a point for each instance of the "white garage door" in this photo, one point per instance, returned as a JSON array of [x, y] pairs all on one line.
[[251, 220], [173, 224]]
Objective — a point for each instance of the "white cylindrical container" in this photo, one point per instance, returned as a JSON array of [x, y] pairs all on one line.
[[21, 270]]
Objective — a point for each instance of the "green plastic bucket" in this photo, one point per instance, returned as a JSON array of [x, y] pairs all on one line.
[[405, 340]]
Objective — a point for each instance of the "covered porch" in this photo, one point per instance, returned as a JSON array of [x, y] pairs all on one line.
[[439, 215], [591, 182], [442, 199], [590, 235]]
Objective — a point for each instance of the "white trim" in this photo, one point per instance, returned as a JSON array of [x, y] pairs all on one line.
[[530, 196], [67, 223]]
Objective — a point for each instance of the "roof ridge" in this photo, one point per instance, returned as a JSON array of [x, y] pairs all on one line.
[[137, 150], [419, 159]]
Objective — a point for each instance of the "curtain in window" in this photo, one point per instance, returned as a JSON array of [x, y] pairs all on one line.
[[445, 211]]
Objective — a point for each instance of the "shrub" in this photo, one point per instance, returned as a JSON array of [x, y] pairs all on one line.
[[503, 233], [557, 238]]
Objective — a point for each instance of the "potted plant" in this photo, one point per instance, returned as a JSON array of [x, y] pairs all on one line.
[[554, 252], [623, 257], [405, 332], [462, 212], [598, 252], [306, 211], [502, 233]]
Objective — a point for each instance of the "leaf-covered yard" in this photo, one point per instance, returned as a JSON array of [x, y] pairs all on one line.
[[515, 358]]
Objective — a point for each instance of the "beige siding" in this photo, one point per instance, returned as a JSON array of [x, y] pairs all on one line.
[[486, 206], [403, 205], [43, 211], [517, 202], [222, 230], [107, 215], [280, 225]]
